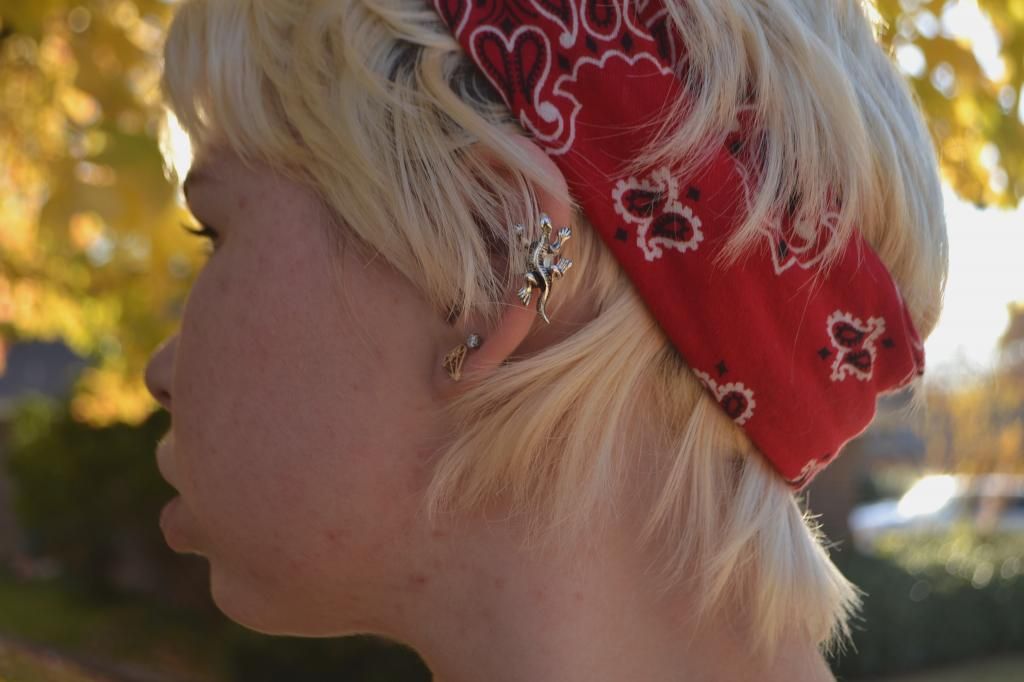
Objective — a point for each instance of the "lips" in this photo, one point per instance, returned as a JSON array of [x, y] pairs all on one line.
[[165, 461], [175, 523]]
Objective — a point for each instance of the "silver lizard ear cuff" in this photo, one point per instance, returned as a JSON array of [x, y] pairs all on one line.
[[544, 263], [453, 360]]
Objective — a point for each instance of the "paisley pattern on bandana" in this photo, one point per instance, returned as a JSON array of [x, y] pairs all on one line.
[[855, 342], [652, 203], [736, 399], [588, 81]]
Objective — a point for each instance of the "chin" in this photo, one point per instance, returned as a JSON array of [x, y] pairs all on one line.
[[240, 604], [253, 607]]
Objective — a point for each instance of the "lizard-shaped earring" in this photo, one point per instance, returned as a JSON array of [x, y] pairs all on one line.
[[544, 263]]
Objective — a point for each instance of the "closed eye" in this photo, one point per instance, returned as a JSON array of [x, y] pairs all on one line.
[[204, 231]]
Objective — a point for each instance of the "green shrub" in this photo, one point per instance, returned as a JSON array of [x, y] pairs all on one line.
[[935, 599], [77, 490]]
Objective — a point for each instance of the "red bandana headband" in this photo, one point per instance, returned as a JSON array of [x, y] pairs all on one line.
[[794, 355]]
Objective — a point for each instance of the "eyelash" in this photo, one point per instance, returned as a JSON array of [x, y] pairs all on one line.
[[204, 231]]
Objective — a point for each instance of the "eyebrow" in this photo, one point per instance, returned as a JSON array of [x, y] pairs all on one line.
[[196, 175]]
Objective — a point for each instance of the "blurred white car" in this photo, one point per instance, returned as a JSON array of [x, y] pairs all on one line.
[[994, 502]]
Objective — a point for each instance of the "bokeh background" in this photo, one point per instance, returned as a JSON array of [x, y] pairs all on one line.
[[925, 511]]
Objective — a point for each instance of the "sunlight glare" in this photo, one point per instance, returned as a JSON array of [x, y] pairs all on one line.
[[175, 147], [964, 21], [928, 495]]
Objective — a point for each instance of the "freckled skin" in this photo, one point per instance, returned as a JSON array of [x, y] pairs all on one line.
[[278, 393]]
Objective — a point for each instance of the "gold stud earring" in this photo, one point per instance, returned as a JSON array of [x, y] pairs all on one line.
[[455, 357]]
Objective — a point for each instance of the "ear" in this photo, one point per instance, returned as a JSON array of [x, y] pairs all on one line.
[[507, 335]]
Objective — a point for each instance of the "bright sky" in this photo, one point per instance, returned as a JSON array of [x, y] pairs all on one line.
[[986, 273]]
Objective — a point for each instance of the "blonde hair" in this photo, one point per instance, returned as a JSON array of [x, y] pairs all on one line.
[[374, 104]]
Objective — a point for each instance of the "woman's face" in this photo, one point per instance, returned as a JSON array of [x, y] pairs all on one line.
[[301, 427]]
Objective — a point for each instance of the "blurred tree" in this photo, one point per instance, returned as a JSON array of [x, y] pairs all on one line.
[[964, 59], [1011, 343], [979, 427], [90, 251]]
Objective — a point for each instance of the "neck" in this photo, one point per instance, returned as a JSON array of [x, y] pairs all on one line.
[[504, 614]]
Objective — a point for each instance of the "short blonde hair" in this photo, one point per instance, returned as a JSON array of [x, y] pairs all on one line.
[[374, 104]]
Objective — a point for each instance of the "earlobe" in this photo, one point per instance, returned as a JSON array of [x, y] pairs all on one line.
[[496, 345]]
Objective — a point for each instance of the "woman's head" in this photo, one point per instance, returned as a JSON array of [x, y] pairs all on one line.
[[306, 391], [367, 181]]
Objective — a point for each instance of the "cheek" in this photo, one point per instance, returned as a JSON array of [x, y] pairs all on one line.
[[292, 440], [227, 418]]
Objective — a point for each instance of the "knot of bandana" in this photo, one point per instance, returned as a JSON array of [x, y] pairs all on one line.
[[795, 354]]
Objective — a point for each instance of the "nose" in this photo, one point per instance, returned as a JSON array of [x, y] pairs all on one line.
[[159, 371]]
